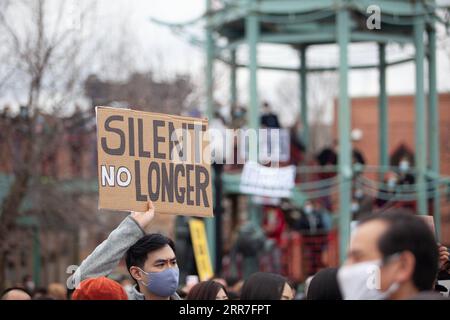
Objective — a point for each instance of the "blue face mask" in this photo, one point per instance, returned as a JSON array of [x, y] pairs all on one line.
[[164, 283]]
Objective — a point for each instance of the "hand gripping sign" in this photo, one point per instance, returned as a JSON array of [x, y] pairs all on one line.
[[164, 158]]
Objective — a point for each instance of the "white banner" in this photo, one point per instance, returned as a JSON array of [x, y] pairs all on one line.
[[269, 182]]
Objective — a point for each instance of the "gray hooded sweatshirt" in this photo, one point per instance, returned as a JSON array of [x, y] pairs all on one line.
[[103, 260]]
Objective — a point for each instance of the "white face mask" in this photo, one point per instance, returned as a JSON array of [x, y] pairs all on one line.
[[308, 209], [30, 285], [359, 194], [128, 287], [361, 281], [404, 165], [391, 183]]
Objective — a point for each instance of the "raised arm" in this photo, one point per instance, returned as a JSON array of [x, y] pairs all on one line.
[[107, 255]]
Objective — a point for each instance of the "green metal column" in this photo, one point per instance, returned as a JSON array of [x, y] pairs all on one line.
[[233, 74], [433, 125], [36, 256], [304, 96], [252, 34], [210, 48], [383, 112], [209, 62], [420, 139], [344, 119], [252, 37]]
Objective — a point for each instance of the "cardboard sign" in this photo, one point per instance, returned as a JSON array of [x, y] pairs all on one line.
[[268, 182], [201, 252], [164, 158]]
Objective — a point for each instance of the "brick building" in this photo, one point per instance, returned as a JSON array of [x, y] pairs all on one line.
[[401, 126]]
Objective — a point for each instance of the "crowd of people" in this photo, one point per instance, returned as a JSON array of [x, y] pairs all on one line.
[[391, 255]]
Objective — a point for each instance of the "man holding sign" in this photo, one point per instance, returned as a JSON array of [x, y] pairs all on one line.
[[150, 259], [145, 160]]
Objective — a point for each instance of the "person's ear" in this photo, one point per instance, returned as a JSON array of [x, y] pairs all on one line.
[[137, 274], [406, 266]]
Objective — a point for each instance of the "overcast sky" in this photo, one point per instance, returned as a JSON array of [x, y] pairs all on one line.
[[158, 48], [179, 56]]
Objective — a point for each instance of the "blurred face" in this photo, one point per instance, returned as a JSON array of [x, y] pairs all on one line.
[[364, 242], [364, 248], [221, 295], [288, 293], [308, 207]]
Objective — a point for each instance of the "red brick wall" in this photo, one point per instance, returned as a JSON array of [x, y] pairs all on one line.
[[401, 126], [401, 115]]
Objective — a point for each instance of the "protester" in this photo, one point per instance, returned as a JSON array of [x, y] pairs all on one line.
[[310, 219], [306, 286], [238, 116], [41, 294], [234, 287], [100, 288], [152, 263], [392, 255], [404, 171], [444, 256], [266, 286], [273, 223], [15, 293], [362, 204], [324, 286], [28, 284], [220, 280], [127, 284], [386, 196], [268, 118], [150, 258], [208, 290], [57, 291]]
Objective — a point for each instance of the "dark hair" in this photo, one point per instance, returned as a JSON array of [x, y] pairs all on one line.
[[233, 295], [263, 286], [407, 232], [324, 286], [137, 254], [8, 290], [27, 277], [205, 290], [40, 291], [181, 293], [232, 280]]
